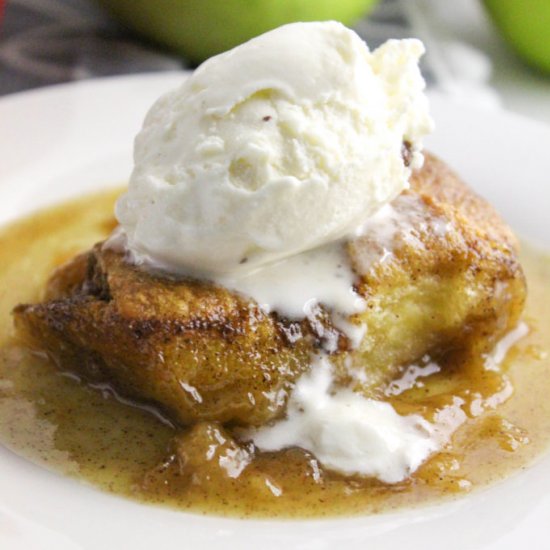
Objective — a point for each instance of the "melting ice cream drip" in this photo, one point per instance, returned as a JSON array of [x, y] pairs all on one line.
[[353, 434]]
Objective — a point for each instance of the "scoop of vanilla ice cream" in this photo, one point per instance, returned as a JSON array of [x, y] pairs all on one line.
[[282, 144]]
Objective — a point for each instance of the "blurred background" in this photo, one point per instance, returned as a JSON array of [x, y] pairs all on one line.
[[495, 53]]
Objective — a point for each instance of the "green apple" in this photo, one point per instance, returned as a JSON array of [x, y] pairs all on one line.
[[199, 29], [525, 24]]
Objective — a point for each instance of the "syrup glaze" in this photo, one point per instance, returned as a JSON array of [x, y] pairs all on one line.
[[52, 418]]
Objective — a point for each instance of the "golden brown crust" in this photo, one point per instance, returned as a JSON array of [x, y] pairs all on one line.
[[195, 348], [455, 283], [205, 353], [440, 187]]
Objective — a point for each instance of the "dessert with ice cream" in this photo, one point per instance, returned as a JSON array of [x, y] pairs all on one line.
[[305, 299]]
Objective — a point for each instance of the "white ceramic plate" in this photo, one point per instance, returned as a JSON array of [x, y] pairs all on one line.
[[62, 141]]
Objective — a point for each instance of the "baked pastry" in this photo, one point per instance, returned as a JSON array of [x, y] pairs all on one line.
[[444, 278]]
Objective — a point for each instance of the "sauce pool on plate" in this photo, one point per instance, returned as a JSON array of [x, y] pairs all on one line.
[[56, 420]]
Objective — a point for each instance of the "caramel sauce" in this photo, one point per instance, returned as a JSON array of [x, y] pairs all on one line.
[[52, 418]]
